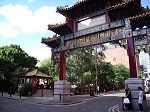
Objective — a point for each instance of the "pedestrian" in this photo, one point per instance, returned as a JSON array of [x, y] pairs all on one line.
[[140, 98], [128, 95], [114, 87], [97, 89], [117, 87]]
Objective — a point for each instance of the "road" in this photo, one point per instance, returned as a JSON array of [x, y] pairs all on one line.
[[106, 103]]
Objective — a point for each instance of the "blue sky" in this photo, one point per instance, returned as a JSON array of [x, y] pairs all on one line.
[[24, 22]]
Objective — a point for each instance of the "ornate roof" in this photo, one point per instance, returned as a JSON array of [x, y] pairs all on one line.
[[141, 19], [85, 7], [140, 16], [123, 9], [53, 42], [119, 5], [117, 9], [61, 29], [81, 8], [36, 73]]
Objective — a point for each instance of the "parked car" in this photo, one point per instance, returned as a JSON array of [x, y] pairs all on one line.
[[147, 90], [148, 83], [73, 90]]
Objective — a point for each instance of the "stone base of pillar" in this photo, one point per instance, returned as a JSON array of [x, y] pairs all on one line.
[[133, 84], [62, 91]]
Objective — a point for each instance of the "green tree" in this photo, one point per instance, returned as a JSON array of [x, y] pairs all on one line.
[[87, 78], [105, 73], [82, 63], [121, 73], [79, 62], [47, 68], [13, 61]]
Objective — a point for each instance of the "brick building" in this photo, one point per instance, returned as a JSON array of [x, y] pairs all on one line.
[[117, 55]]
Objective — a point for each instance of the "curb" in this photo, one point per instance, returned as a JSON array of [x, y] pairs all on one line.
[[58, 103], [10, 98]]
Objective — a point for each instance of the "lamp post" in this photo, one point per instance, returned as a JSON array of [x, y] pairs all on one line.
[[114, 59], [96, 67]]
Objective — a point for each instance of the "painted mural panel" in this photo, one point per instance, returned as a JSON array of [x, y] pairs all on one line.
[[140, 40], [96, 38], [90, 22]]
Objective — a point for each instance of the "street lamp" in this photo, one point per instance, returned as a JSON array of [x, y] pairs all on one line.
[[96, 67], [114, 59]]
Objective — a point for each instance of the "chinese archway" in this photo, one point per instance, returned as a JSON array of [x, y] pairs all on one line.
[[92, 22]]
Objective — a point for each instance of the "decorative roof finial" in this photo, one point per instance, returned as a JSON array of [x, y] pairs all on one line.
[[108, 4], [147, 9], [75, 2]]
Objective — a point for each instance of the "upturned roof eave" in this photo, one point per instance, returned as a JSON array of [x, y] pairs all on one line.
[[65, 10], [109, 8], [60, 29], [140, 16], [56, 26]]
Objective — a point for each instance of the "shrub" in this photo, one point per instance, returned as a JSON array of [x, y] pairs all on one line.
[[27, 87]]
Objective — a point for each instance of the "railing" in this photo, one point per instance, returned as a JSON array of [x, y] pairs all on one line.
[[34, 88]]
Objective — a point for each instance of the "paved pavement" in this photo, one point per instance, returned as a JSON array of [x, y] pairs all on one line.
[[49, 100]]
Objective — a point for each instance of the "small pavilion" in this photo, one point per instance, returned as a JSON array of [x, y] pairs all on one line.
[[37, 77]]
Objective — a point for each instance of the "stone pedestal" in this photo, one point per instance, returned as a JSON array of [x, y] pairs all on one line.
[[133, 84], [62, 91]]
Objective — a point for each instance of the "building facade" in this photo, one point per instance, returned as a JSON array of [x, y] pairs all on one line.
[[117, 55]]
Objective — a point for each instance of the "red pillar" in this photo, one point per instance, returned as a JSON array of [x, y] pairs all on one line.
[[132, 57], [62, 66]]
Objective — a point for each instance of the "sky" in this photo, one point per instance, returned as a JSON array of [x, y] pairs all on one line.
[[24, 23]]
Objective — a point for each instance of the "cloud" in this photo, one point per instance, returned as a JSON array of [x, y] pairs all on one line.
[[1, 45], [39, 53], [29, 1], [20, 19]]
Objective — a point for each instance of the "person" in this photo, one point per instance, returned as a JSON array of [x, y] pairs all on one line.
[[117, 87], [128, 95], [97, 89], [140, 98]]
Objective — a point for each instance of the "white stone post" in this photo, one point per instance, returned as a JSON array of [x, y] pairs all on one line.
[[62, 91], [133, 84]]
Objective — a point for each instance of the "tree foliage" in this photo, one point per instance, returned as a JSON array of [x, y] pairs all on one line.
[[81, 68], [82, 63], [13, 61], [121, 73], [105, 73], [47, 68]]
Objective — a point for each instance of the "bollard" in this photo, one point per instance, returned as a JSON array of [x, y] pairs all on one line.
[[60, 97], [123, 104], [31, 93], [20, 94], [10, 92], [2, 92], [42, 92], [104, 90]]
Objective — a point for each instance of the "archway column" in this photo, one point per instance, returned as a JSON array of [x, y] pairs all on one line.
[[134, 82], [62, 86], [62, 66], [132, 57]]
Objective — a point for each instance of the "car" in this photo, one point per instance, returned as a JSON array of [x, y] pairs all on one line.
[[147, 90], [148, 83], [73, 90]]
